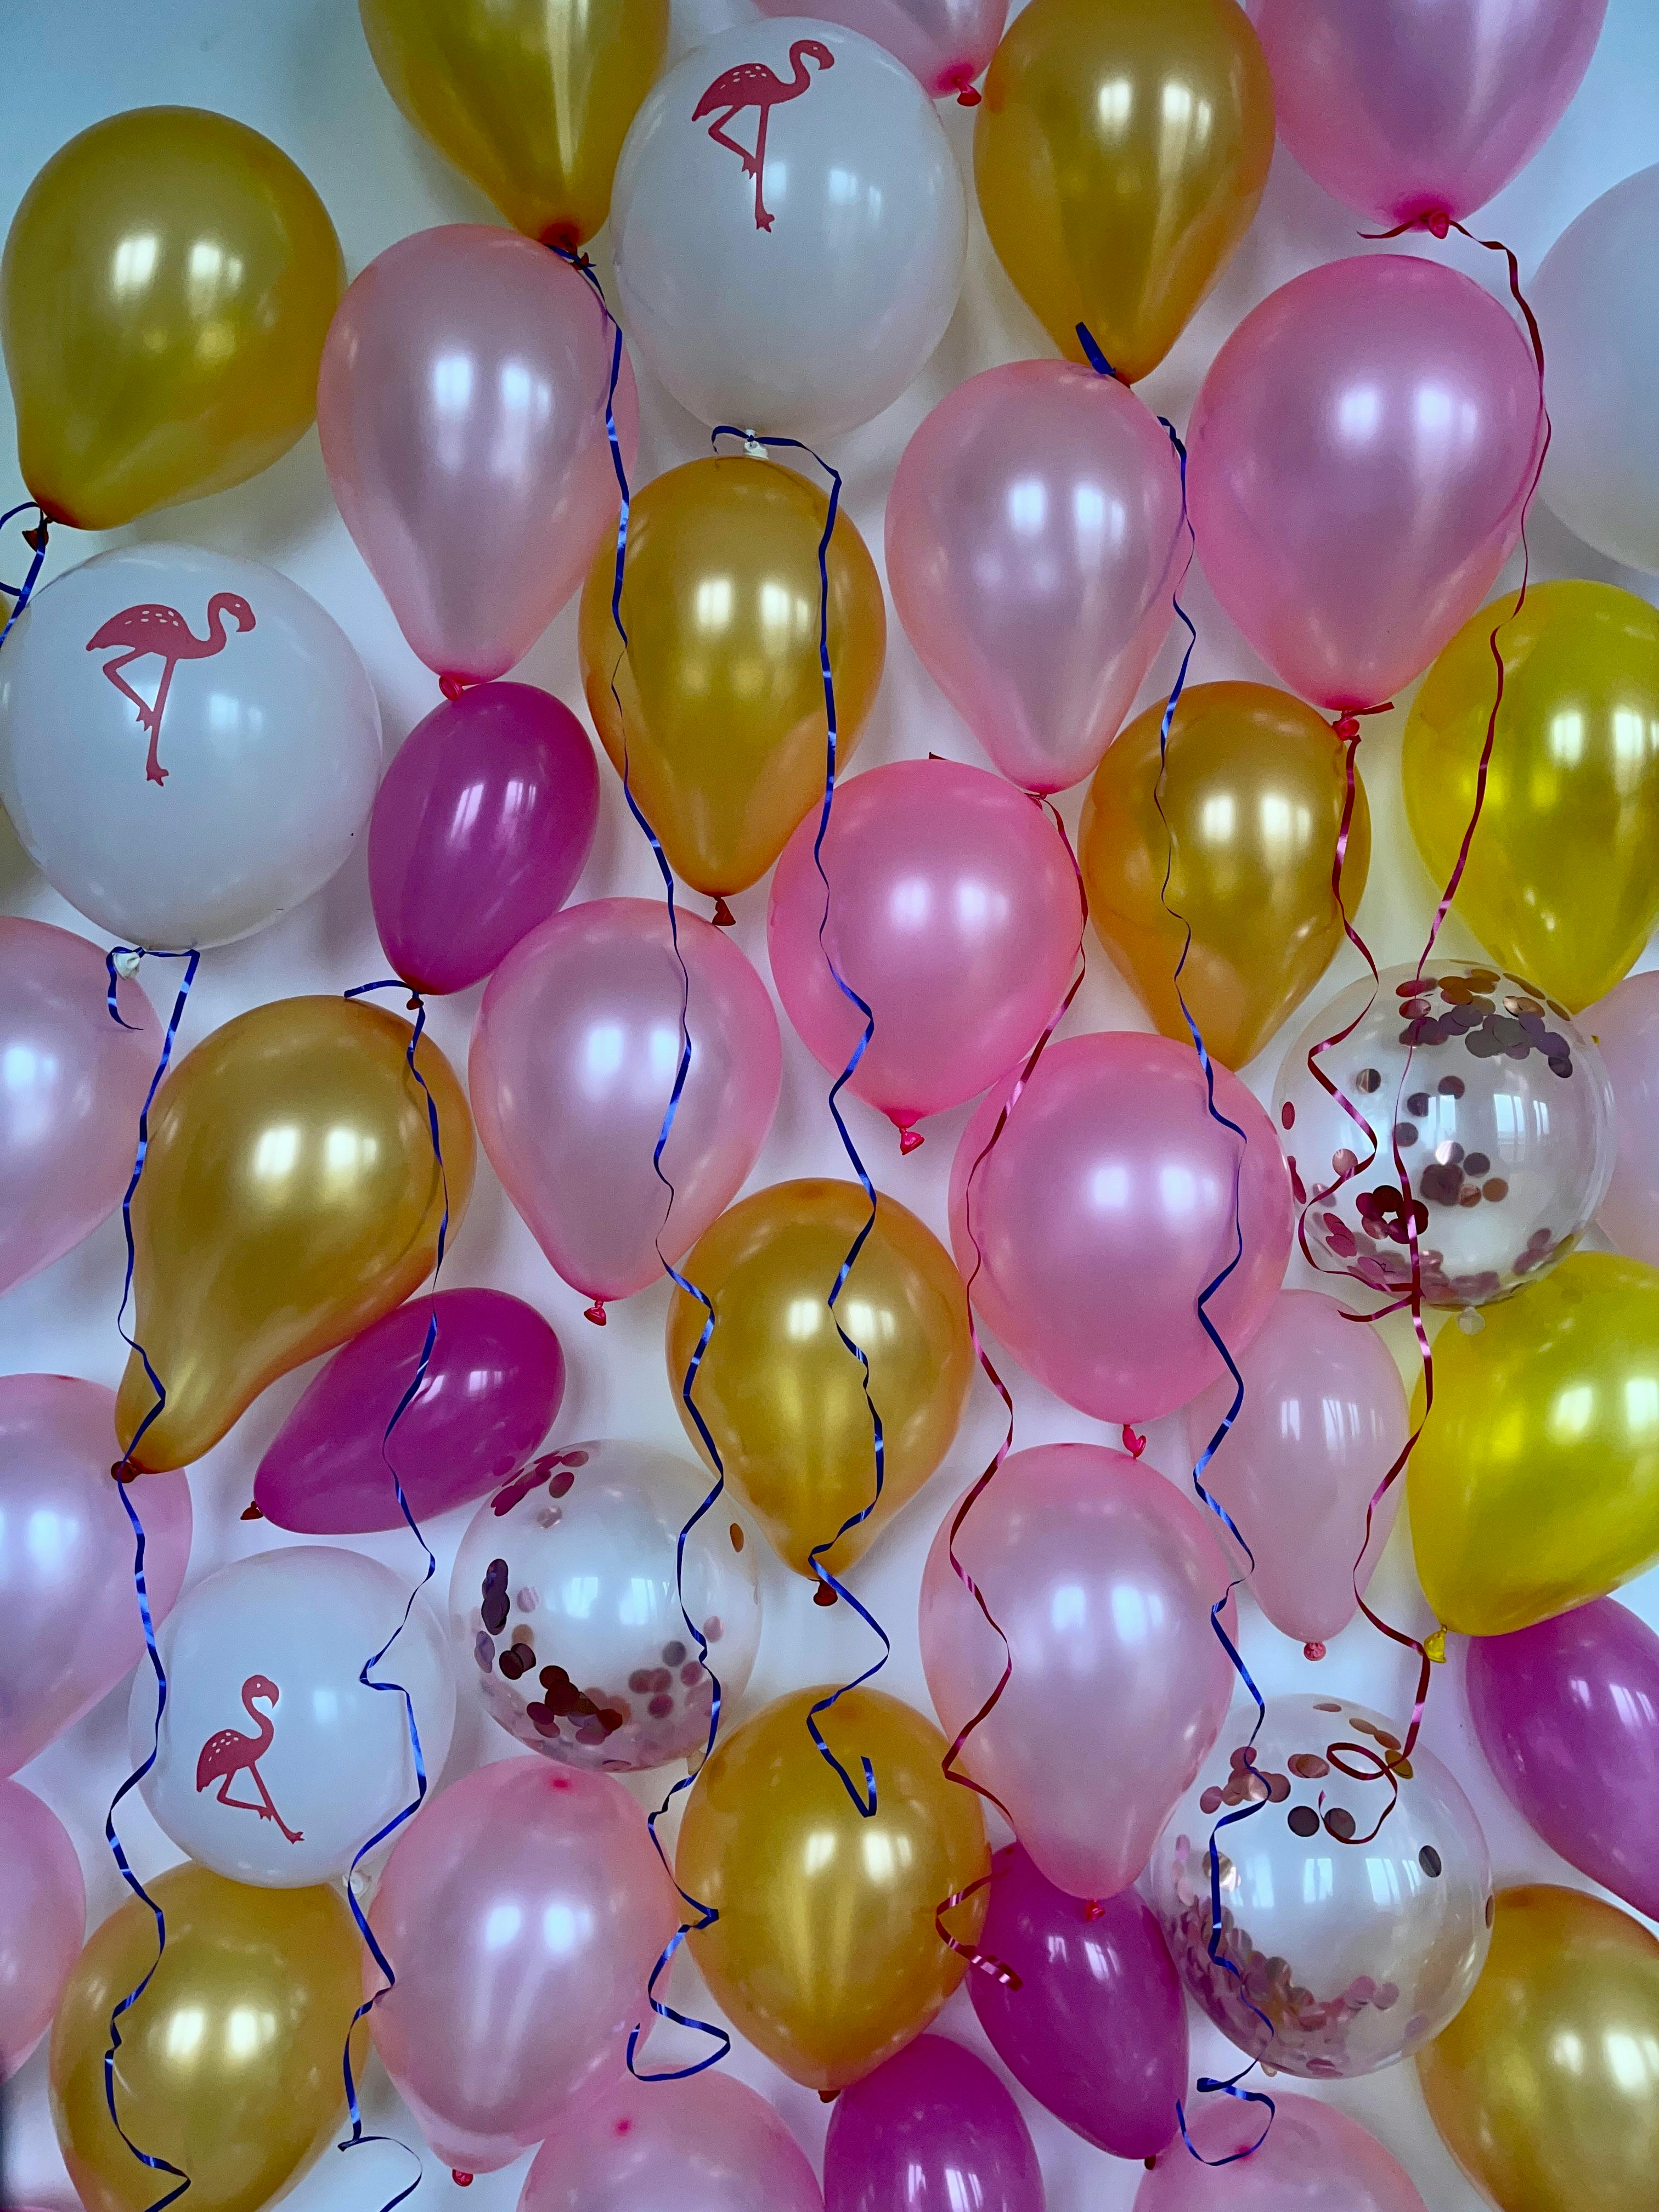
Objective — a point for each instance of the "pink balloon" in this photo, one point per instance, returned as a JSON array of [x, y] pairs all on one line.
[[1101, 1576], [523, 1911], [954, 914], [1315, 2158], [1361, 455], [1034, 544], [1626, 1025], [930, 2130], [945, 43], [709, 2145], [1407, 108], [1103, 1211], [1323, 1420], [72, 1628], [573, 1064], [75, 1082], [43, 1920], [461, 408]]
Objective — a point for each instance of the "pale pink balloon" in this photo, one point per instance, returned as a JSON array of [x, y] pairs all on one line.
[[1103, 1211], [1102, 1576], [710, 2144], [1361, 455], [1316, 2159], [1323, 1420], [43, 1920], [1626, 1025], [945, 43], [1034, 544], [954, 914], [573, 1064], [461, 408]]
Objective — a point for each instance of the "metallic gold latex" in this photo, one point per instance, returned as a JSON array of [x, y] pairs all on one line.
[[288, 1199], [167, 284], [721, 690]]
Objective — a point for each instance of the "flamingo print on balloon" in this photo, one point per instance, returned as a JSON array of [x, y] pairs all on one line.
[[751, 84], [228, 1753], [164, 632]]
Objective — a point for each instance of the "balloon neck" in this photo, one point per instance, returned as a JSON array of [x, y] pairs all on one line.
[[251, 1512], [1436, 220], [723, 917], [452, 686], [961, 81], [1347, 726], [828, 2096], [124, 1471], [1134, 1441], [1313, 1651], [1094, 1909], [595, 1313], [37, 538], [909, 1140], [1434, 1648], [414, 1002], [563, 237], [825, 1593], [461, 2180]]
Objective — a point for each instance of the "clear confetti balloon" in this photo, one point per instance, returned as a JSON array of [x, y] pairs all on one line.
[[563, 1596], [1497, 1105]]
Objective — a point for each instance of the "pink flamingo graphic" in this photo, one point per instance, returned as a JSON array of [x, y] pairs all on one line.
[[751, 84], [228, 1753], [164, 632]]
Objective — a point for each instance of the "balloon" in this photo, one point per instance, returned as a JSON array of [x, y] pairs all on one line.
[[1096, 2030], [461, 405], [1312, 2156], [43, 1919], [1322, 1423], [1106, 1208], [1560, 884], [493, 1385], [482, 826], [1036, 620], [781, 1395], [66, 1553], [1625, 1028], [715, 710], [168, 281], [573, 1060], [1361, 455], [1506, 1153], [523, 1910], [710, 2144], [1101, 1577], [1413, 109], [230, 2060], [579, 1553], [945, 43], [1355, 1902], [1546, 2087], [1108, 203], [953, 912], [824, 1950], [75, 1082], [933, 2126], [1535, 1484], [289, 1198], [1246, 819], [532, 99], [794, 279]]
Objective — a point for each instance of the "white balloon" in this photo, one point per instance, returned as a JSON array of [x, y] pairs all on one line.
[[797, 293], [189, 744], [276, 1763]]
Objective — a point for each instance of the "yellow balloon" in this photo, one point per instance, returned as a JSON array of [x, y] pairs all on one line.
[[721, 690], [532, 98], [1120, 152], [1561, 884], [826, 1953], [288, 1199], [1546, 2087], [1535, 1486], [1253, 803], [167, 284], [229, 2064]]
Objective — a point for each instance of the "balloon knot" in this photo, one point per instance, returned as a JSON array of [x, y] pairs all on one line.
[[1434, 1647], [461, 2180], [595, 1313], [967, 94], [824, 1594], [413, 1002], [124, 1471], [1151, 2165], [1437, 221], [1133, 1442], [251, 1512], [1094, 1909], [452, 686], [37, 538], [909, 1140], [723, 917], [1347, 726], [1313, 1651], [828, 2096]]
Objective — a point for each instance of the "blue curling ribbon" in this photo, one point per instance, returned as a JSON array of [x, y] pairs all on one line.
[[19, 593]]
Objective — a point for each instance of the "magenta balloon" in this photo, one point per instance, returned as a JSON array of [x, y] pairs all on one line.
[[932, 2129], [1567, 1713], [1316, 2159], [490, 1392], [1103, 1211], [1034, 544], [1626, 1025], [75, 1082], [1096, 2030], [1406, 108], [461, 407], [573, 1064], [479, 831], [523, 1912], [954, 914], [709, 2145], [945, 43], [1361, 455], [43, 1920], [72, 1628]]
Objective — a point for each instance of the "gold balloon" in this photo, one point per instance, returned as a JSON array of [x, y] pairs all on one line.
[[1253, 801], [1561, 884], [1535, 1486], [288, 1199], [721, 690], [1546, 2087], [167, 284], [532, 98], [826, 1953], [229, 2064], [1120, 152]]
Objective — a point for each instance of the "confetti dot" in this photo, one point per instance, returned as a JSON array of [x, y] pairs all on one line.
[[1450, 1086], [1496, 1189], [1490, 1912], [1477, 1164], [1325, 1705], [1429, 1859], [1338, 1822], [673, 1655], [1210, 1802], [1308, 1765], [735, 1533], [1368, 1080], [1418, 1102], [1287, 1115], [660, 1707], [640, 1680], [1405, 1132], [1304, 1820]]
